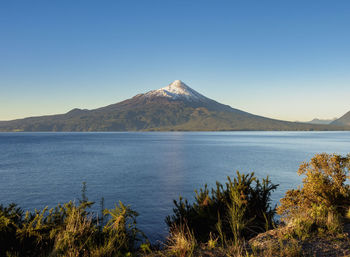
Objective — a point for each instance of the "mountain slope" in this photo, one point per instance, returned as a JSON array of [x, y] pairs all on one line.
[[321, 121], [175, 107], [343, 120]]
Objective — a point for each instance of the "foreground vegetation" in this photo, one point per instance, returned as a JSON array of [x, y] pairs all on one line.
[[68, 230], [235, 219]]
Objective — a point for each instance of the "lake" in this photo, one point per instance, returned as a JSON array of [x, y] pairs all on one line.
[[148, 170]]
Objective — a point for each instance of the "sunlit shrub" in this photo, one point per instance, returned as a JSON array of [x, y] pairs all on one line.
[[319, 205], [240, 210], [121, 229], [75, 236]]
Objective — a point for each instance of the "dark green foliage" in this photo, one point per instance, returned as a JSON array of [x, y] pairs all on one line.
[[239, 210], [10, 219]]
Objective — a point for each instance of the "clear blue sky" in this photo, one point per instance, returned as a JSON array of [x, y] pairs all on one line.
[[281, 59]]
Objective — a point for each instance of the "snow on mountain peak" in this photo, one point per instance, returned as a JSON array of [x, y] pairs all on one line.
[[177, 90]]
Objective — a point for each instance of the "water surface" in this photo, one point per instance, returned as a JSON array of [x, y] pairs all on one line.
[[149, 170]]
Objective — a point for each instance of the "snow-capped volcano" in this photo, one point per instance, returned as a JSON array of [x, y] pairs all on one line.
[[177, 90], [174, 107]]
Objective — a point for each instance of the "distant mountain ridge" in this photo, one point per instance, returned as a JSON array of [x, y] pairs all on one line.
[[321, 121], [174, 107]]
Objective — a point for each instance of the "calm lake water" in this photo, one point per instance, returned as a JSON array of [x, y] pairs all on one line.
[[149, 170]]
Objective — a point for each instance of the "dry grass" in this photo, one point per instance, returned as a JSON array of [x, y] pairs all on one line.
[[181, 241]]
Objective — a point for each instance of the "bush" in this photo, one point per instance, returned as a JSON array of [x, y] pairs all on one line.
[[75, 235], [324, 198], [240, 210], [68, 230]]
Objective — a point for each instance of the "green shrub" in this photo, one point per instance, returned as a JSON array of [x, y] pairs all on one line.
[[240, 210], [68, 230], [121, 229]]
